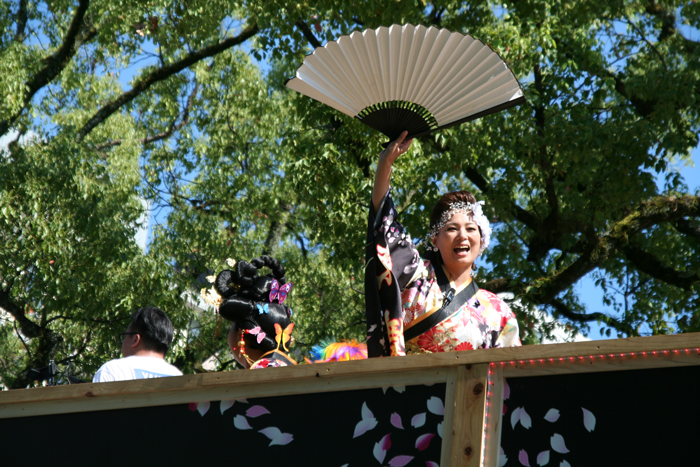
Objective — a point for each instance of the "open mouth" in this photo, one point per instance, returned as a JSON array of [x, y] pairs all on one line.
[[462, 249]]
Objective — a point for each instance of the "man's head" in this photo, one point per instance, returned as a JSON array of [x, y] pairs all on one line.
[[150, 332]]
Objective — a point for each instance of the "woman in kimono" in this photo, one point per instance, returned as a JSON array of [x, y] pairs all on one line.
[[429, 304], [261, 326]]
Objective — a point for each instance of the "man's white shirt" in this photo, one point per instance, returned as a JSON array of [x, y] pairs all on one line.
[[135, 367]]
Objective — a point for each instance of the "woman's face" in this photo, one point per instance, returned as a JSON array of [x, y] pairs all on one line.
[[234, 337], [459, 242]]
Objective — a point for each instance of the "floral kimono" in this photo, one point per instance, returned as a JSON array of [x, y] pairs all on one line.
[[401, 290], [272, 359]]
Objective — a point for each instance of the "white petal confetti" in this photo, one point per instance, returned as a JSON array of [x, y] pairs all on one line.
[[240, 422], [552, 415], [557, 442], [588, 420], [515, 417], [435, 406], [225, 405], [418, 420], [525, 419], [366, 413], [203, 407], [276, 436]]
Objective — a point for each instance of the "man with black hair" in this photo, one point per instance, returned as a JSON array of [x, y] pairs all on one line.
[[144, 345]]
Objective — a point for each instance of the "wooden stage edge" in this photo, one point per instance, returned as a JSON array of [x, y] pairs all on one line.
[[589, 356]]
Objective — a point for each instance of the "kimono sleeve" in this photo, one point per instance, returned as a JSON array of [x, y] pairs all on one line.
[[510, 332], [391, 263]]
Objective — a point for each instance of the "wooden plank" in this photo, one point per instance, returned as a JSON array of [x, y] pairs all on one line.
[[222, 392], [494, 417], [544, 367], [468, 424], [448, 421], [366, 367]]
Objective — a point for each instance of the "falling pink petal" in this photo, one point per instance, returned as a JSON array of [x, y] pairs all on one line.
[[418, 420], [543, 458], [192, 406], [256, 411], [203, 407], [240, 422], [564, 464], [428, 384], [399, 389], [245, 401], [588, 420], [364, 426], [515, 417], [505, 409], [385, 442], [557, 442], [276, 436], [431, 464], [225, 405], [400, 461], [506, 390], [522, 457], [502, 459], [440, 429], [396, 421], [525, 419], [552, 415], [381, 447], [366, 413], [435, 406], [423, 441]]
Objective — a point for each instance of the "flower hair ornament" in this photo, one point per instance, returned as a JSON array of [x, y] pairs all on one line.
[[467, 209]]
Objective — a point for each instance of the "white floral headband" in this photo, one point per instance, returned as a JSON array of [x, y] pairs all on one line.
[[465, 208]]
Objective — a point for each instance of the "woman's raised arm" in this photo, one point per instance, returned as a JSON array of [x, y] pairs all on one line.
[[382, 179]]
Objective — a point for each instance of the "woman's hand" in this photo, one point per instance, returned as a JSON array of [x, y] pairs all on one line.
[[382, 178], [395, 149]]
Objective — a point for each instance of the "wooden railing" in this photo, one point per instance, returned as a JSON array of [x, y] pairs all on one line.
[[473, 397]]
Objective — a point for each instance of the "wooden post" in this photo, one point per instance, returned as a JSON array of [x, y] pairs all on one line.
[[494, 417], [467, 415]]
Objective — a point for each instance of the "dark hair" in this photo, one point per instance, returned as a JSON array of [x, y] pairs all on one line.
[[155, 328], [443, 205], [243, 291]]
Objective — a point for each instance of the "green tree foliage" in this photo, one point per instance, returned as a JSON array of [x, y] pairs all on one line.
[[166, 101]]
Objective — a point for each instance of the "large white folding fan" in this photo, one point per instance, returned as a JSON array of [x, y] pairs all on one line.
[[408, 78]]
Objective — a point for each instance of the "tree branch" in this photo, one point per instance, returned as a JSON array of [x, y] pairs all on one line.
[[277, 227], [21, 21], [566, 312], [167, 133], [649, 43], [75, 36], [304, 28], [161, 74], [548, 236], [526, 217], [651, 265], [655, 211], [28, 327], [688, 228], [644, 107]]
